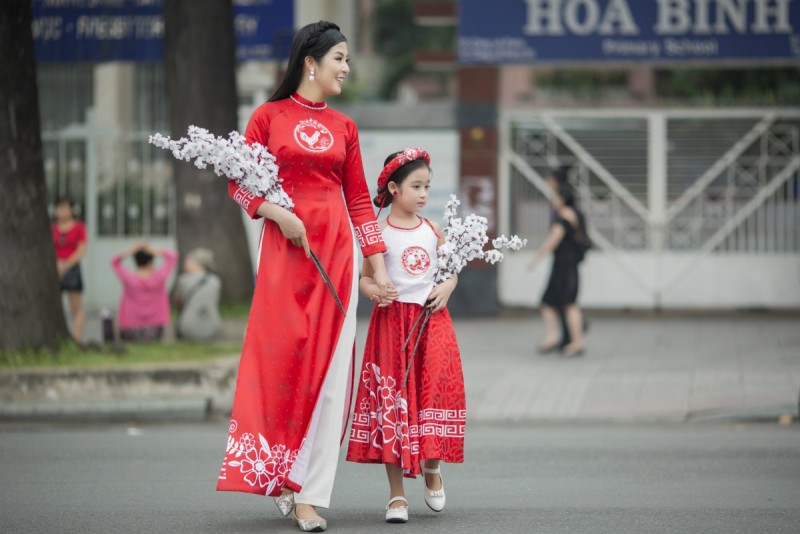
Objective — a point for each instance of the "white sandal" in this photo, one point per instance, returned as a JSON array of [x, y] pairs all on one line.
[[398, 514], [434, 499]]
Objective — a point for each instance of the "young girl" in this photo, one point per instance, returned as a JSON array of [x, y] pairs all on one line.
[[410, 428]]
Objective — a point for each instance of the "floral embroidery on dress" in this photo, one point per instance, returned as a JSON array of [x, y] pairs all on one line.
[[264, 466], [388, 411]]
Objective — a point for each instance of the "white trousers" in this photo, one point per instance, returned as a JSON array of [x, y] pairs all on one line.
[[330, 414]]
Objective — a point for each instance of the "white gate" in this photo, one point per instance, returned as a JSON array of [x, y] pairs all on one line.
[[688, 208]]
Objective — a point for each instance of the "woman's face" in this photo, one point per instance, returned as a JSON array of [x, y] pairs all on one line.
[[64, 211], [331, 71]]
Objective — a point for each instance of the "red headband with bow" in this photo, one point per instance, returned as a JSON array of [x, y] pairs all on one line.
[[406, 156]]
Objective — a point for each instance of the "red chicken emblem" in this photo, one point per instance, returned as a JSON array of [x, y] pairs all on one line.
[[416, 260], [313, 136]]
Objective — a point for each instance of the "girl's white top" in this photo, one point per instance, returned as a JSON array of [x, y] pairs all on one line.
[[410, 259]]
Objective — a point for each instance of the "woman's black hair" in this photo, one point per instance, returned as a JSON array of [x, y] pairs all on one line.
[[142, 258], [313, 40], [383, 198], [566, 191], [563, 187]]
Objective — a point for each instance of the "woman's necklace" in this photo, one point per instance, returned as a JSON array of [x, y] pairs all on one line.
[[317, 108]]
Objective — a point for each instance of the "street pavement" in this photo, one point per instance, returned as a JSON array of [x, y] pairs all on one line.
[[533, 478], [638, 368]]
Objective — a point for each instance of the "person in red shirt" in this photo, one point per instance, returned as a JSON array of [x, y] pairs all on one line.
[[69, 237], [294, 381]]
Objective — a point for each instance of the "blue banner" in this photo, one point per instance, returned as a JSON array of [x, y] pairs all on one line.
[[133, 30], [653, 31]]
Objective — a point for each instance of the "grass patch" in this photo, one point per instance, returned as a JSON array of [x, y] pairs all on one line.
[[71, 355], [239, 310]]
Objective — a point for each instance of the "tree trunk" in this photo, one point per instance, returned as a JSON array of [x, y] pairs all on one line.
[[200, 63], [31, 316]]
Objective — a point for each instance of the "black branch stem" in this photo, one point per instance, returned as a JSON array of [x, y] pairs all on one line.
[[327, 281]]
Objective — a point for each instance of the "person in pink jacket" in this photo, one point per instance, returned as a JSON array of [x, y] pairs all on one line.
[[144, 305]]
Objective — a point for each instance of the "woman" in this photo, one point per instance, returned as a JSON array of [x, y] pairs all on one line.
[[295, 375], [197, 297], [69, 237], [144, 304], [567, 241]]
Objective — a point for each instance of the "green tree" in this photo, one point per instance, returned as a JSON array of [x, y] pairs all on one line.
[[397, 38], [772, 86]]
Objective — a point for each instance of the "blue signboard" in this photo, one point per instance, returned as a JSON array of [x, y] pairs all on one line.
[[655, 31], [133, 30]]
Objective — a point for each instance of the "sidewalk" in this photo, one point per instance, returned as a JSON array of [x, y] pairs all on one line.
[[638, 368]]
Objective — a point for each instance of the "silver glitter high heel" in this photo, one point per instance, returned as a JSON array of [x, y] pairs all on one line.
[[285, 503], [310, 525], [433, 498]]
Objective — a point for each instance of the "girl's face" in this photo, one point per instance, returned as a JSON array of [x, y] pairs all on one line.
[[331, 71], [412, 194]]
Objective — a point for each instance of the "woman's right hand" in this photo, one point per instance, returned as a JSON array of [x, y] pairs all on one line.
[[294, 230]]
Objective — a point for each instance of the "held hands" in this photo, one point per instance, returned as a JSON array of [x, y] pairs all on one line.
[[437, 300], [386, 293]]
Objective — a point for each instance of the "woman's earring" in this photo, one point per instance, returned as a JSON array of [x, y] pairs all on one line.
[[311, 75]]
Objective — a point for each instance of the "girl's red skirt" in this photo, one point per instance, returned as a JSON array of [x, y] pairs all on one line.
[[407, 425]]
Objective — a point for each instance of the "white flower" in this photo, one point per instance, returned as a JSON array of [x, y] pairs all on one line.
[[254, 467], [247, 441], [493, 256], [464, 242], [251, 166]]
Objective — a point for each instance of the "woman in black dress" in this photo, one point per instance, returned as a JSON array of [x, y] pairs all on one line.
[[568, 242]]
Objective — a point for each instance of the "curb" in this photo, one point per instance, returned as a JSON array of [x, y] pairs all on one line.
[[178, 392], [189, 410]]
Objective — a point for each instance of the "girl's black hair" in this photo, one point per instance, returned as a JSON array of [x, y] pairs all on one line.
[[313, 40], [142, 258], [397, 177]]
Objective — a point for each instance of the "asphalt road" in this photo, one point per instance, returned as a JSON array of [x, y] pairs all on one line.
[[552, 478]]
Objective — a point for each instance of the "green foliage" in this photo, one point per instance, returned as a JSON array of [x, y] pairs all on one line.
[[590, 84], [397, 38], [72, 355], [239, 310], [763, 86]]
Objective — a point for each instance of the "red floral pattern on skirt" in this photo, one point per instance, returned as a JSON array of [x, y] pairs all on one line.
[[405, 427]]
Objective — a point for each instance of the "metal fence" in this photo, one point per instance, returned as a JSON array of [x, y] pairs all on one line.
[[725, 181], [121, 185], [687, 183]]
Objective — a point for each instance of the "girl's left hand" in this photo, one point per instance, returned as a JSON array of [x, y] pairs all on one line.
[[440, 294]]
